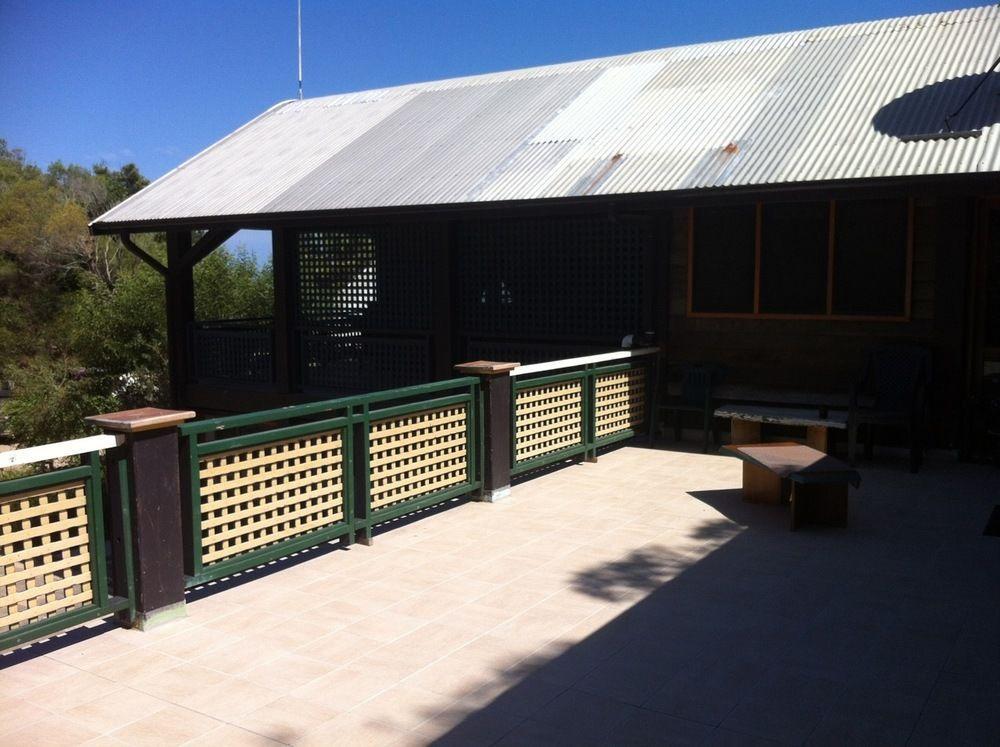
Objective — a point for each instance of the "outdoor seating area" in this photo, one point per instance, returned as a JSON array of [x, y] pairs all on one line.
[[633, 600]]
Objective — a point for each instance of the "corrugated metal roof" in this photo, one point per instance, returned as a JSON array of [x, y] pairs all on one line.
[[826, 104]]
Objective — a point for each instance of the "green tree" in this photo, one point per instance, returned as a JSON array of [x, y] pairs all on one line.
[[82, 326]]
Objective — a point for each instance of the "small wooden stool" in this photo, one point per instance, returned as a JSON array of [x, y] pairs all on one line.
[[816, 484]]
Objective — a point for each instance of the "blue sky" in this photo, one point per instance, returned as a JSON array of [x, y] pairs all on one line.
[[155, 82]]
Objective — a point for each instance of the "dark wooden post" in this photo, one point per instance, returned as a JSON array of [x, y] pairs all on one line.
[[153, 484], [283, 354], [496, 384], [180, 312]]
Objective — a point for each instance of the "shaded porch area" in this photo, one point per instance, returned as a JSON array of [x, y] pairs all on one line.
[[635, 600]]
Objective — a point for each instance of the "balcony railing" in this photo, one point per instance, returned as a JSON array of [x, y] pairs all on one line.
[[233, 350]]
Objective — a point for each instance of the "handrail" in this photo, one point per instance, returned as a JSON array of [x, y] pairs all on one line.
[[59, 450], [583, 361], [313, 408]]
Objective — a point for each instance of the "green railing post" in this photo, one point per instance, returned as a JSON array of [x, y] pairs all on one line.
[[497, 427], [152, 483]]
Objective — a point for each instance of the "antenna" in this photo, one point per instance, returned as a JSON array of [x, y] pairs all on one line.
[[300, 48]]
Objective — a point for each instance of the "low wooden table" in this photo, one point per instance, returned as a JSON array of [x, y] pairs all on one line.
[[747, 419], [818, 482]]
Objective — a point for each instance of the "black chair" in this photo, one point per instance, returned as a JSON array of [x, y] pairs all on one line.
[[698, 382], [892, 391]]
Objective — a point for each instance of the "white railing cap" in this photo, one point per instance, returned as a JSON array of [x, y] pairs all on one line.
[[59, 450], [616, 355]]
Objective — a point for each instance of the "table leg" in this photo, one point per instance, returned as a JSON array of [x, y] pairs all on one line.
[[760, 485], [744, 432], [817, 438]]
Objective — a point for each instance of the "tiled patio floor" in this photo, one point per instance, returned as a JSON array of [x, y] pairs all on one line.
[[632, 601]]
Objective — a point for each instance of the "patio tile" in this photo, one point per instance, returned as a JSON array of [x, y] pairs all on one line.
[[227, 735], [285, 719], [172, 725], [652, 728], [78, 688], [111, 711], [54, 731]]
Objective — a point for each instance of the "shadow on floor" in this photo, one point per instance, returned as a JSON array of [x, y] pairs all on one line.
[[825, 636]]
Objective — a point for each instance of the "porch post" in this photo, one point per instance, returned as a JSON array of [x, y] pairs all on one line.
[[283, 355], [152, 482], [180, 312], [496, 385]]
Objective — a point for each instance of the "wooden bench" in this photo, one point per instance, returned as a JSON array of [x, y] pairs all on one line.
[[747, 419], [815, 483]]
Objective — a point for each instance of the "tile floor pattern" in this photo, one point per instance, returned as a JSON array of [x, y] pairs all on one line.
[[632, 601]]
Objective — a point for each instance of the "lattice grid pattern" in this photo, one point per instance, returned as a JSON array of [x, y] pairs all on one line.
[[569, 279], [619, 401], [373, 278], [548, 418], [44, 554], [233, 355], [416, 454], [362, 364], [259, 495]]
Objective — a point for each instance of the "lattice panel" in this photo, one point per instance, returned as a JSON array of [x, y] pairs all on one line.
[[360, 364], [558, 279], [263, 494], [548, 418], [233, 355], [372, 278], [619, 401], [416, 454], [44, 554]]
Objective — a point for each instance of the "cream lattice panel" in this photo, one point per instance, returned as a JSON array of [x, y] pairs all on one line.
[[548, 418], [259, 495], [418, 453], [619, 401], [44, 554]]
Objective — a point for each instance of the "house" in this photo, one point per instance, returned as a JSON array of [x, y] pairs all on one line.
[[778, 204]]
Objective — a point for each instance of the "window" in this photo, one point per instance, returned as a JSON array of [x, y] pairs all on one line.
[[723, 260], [870, 258], [794, 252], [847, 259]]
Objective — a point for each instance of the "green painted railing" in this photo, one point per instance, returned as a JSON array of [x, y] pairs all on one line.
[[588, 404], [265, 484], [53, 557]]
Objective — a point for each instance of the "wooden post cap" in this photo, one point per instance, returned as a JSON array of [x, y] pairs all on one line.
[[142, 419], [485, 368]]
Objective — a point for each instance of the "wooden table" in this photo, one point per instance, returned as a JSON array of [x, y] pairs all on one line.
[[747, 419], [817, 483]]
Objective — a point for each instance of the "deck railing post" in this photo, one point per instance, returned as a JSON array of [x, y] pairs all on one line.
[[496, 387], [152, 480]]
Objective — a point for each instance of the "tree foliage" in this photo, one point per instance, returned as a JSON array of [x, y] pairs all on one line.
[[82, 321]]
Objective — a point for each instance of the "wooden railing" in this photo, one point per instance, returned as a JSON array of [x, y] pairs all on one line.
[[53, 559], [574, 406], [298, 476]]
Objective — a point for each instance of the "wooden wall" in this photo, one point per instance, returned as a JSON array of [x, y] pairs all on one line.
[[827, 355]]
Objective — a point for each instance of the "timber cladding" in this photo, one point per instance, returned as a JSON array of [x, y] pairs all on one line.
[[45, 554], [255, 496], [548, 418], [417, 453], [619, 402], [828, 354]]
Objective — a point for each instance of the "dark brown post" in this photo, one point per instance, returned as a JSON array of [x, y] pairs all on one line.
[[180, 312], [155, 507], [283, 360], [496, 384]]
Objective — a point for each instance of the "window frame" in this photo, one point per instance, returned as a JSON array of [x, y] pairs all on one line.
[[905, 316]]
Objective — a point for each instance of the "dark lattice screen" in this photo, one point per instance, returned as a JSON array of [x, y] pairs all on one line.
[[360, 364], [232, 351], [364, 306], [543, 288]]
